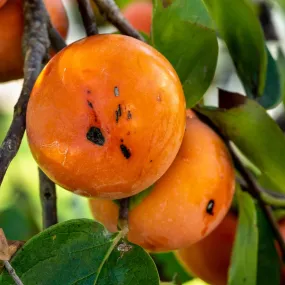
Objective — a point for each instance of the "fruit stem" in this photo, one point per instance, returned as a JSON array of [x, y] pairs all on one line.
[[123, 222]]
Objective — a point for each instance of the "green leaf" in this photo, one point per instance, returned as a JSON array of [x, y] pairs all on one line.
[[82, 252], [183, 33], [243, 268], [255, 133], [281, 3], [272, 94], [281, 67], [241, 30], [268, 271], [169, 267]]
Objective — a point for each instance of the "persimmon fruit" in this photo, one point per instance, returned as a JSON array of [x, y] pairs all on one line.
[[11, 32], [187, 202], [139, 14], [209, 259], [106, 117]]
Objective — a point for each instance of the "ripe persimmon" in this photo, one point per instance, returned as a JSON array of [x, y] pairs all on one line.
[[139, 14], [11, 32], [187, 202], [106, 117], [209, 259]]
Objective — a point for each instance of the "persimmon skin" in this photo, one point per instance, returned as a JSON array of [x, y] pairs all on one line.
[[177, 212], [209, 259], [11, 32], [106, 117], [139, 14], [2, 2]]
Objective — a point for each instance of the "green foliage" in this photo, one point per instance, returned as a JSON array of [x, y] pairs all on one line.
[[241, 30], [243, 269], [82, 252], [183, 33], [268, 271], [256, 134], [169, 267]]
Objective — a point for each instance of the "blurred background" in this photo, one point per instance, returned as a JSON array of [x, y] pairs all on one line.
[[20, 211]]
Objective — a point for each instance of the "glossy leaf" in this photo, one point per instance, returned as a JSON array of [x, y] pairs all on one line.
[[268, 271], [256, 134], [183, 33], [241, 30], [281, 67], [243, 268], [82, 252], [272, 94]]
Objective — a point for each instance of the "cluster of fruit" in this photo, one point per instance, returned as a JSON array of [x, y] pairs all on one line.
[[107, 120]]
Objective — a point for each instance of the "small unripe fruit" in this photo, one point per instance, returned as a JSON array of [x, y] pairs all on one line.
[[187, 202], [106, 117]]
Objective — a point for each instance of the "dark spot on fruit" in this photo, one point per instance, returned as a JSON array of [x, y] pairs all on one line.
[[116, 91], [88, 91], [150, 161], [118, 113], [95, 135], [126, 152], [121, 140], [210, 207], [128, 133], [129, 115], [90, 104]]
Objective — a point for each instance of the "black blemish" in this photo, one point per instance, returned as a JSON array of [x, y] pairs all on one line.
[[126, 152], [118, 113], [95, 135], [128, 133], [116, 91], [88, 91], [90, 104], [150, 161], [121, 140], [129, 115], [210, 207]]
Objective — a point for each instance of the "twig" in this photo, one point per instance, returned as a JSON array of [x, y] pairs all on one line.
[[255, 190], [35, 46], [88, 17], [57, 42], [48, 200], [112, 12], [124, 213], [12, 273]]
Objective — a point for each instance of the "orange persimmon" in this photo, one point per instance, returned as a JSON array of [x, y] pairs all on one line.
[[139, 14], [106, 117], [11, 32], [187, 202]]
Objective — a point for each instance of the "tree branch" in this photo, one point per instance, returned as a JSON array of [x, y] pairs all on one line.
[[35, 47], [12, 273], [57, 42], [115, 17], [88, 17], [48, 200]]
